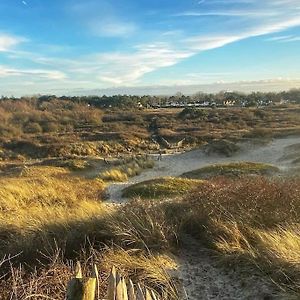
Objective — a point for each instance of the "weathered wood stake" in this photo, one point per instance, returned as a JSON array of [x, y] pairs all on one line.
[[82, 288]]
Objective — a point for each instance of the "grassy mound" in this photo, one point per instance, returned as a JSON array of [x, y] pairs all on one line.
[[232, 169], [161, 187], [222, 147]]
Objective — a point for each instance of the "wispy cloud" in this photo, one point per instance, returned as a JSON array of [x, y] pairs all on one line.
[[48, 74], [284, 39], [127, 68], [7, 42], [278, 38], [204, 42], [292, 39], [227, 13], [111, 28], [102, 19]]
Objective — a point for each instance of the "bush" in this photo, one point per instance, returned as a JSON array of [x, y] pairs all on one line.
[[50, 127], [193, 113], [223, 147], [33, 128]]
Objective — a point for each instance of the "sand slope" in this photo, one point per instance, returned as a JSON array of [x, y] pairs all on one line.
[[176, 164]]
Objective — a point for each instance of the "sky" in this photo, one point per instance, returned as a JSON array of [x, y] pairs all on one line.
[[84, 46]]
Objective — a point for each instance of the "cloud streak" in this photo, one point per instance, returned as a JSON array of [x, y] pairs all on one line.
[[284, 39], [35, 73]]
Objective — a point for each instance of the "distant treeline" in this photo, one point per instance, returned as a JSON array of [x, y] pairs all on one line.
[[219, 99]]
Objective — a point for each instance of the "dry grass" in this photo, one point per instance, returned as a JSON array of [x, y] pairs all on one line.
[[127, 168], [143, 226], [153, 271], [49, 281], [57, 210], [247, 220], [251, 220], [42, 204]]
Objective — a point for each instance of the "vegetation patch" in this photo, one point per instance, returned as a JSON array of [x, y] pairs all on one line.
[[161, 187], [39, 206], [251, 220], [232, 169], [222, 147], [189, 113], [71, 164], [124, 169]]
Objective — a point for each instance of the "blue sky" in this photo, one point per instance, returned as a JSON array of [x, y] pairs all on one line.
[[62, 46]]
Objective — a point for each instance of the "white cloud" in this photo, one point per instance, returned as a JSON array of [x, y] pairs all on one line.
[[120, 68], [8, 41]]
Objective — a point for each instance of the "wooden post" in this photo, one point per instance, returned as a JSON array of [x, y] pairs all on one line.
[[112, 284], [125, 291], [95, 274], [119, 288], [81, 289], [131, 292]]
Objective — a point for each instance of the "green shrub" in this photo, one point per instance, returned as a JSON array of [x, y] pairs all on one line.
[[161, 187], [232, 169], [222, 147]]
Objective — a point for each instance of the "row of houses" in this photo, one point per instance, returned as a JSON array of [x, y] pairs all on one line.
[[225, 103], [171, 104]]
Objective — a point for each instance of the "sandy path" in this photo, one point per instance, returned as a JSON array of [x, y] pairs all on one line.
[[176, 164], [203, 277]]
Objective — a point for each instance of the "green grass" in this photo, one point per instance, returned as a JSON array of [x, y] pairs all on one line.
[[161, 187], [232, 169]]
